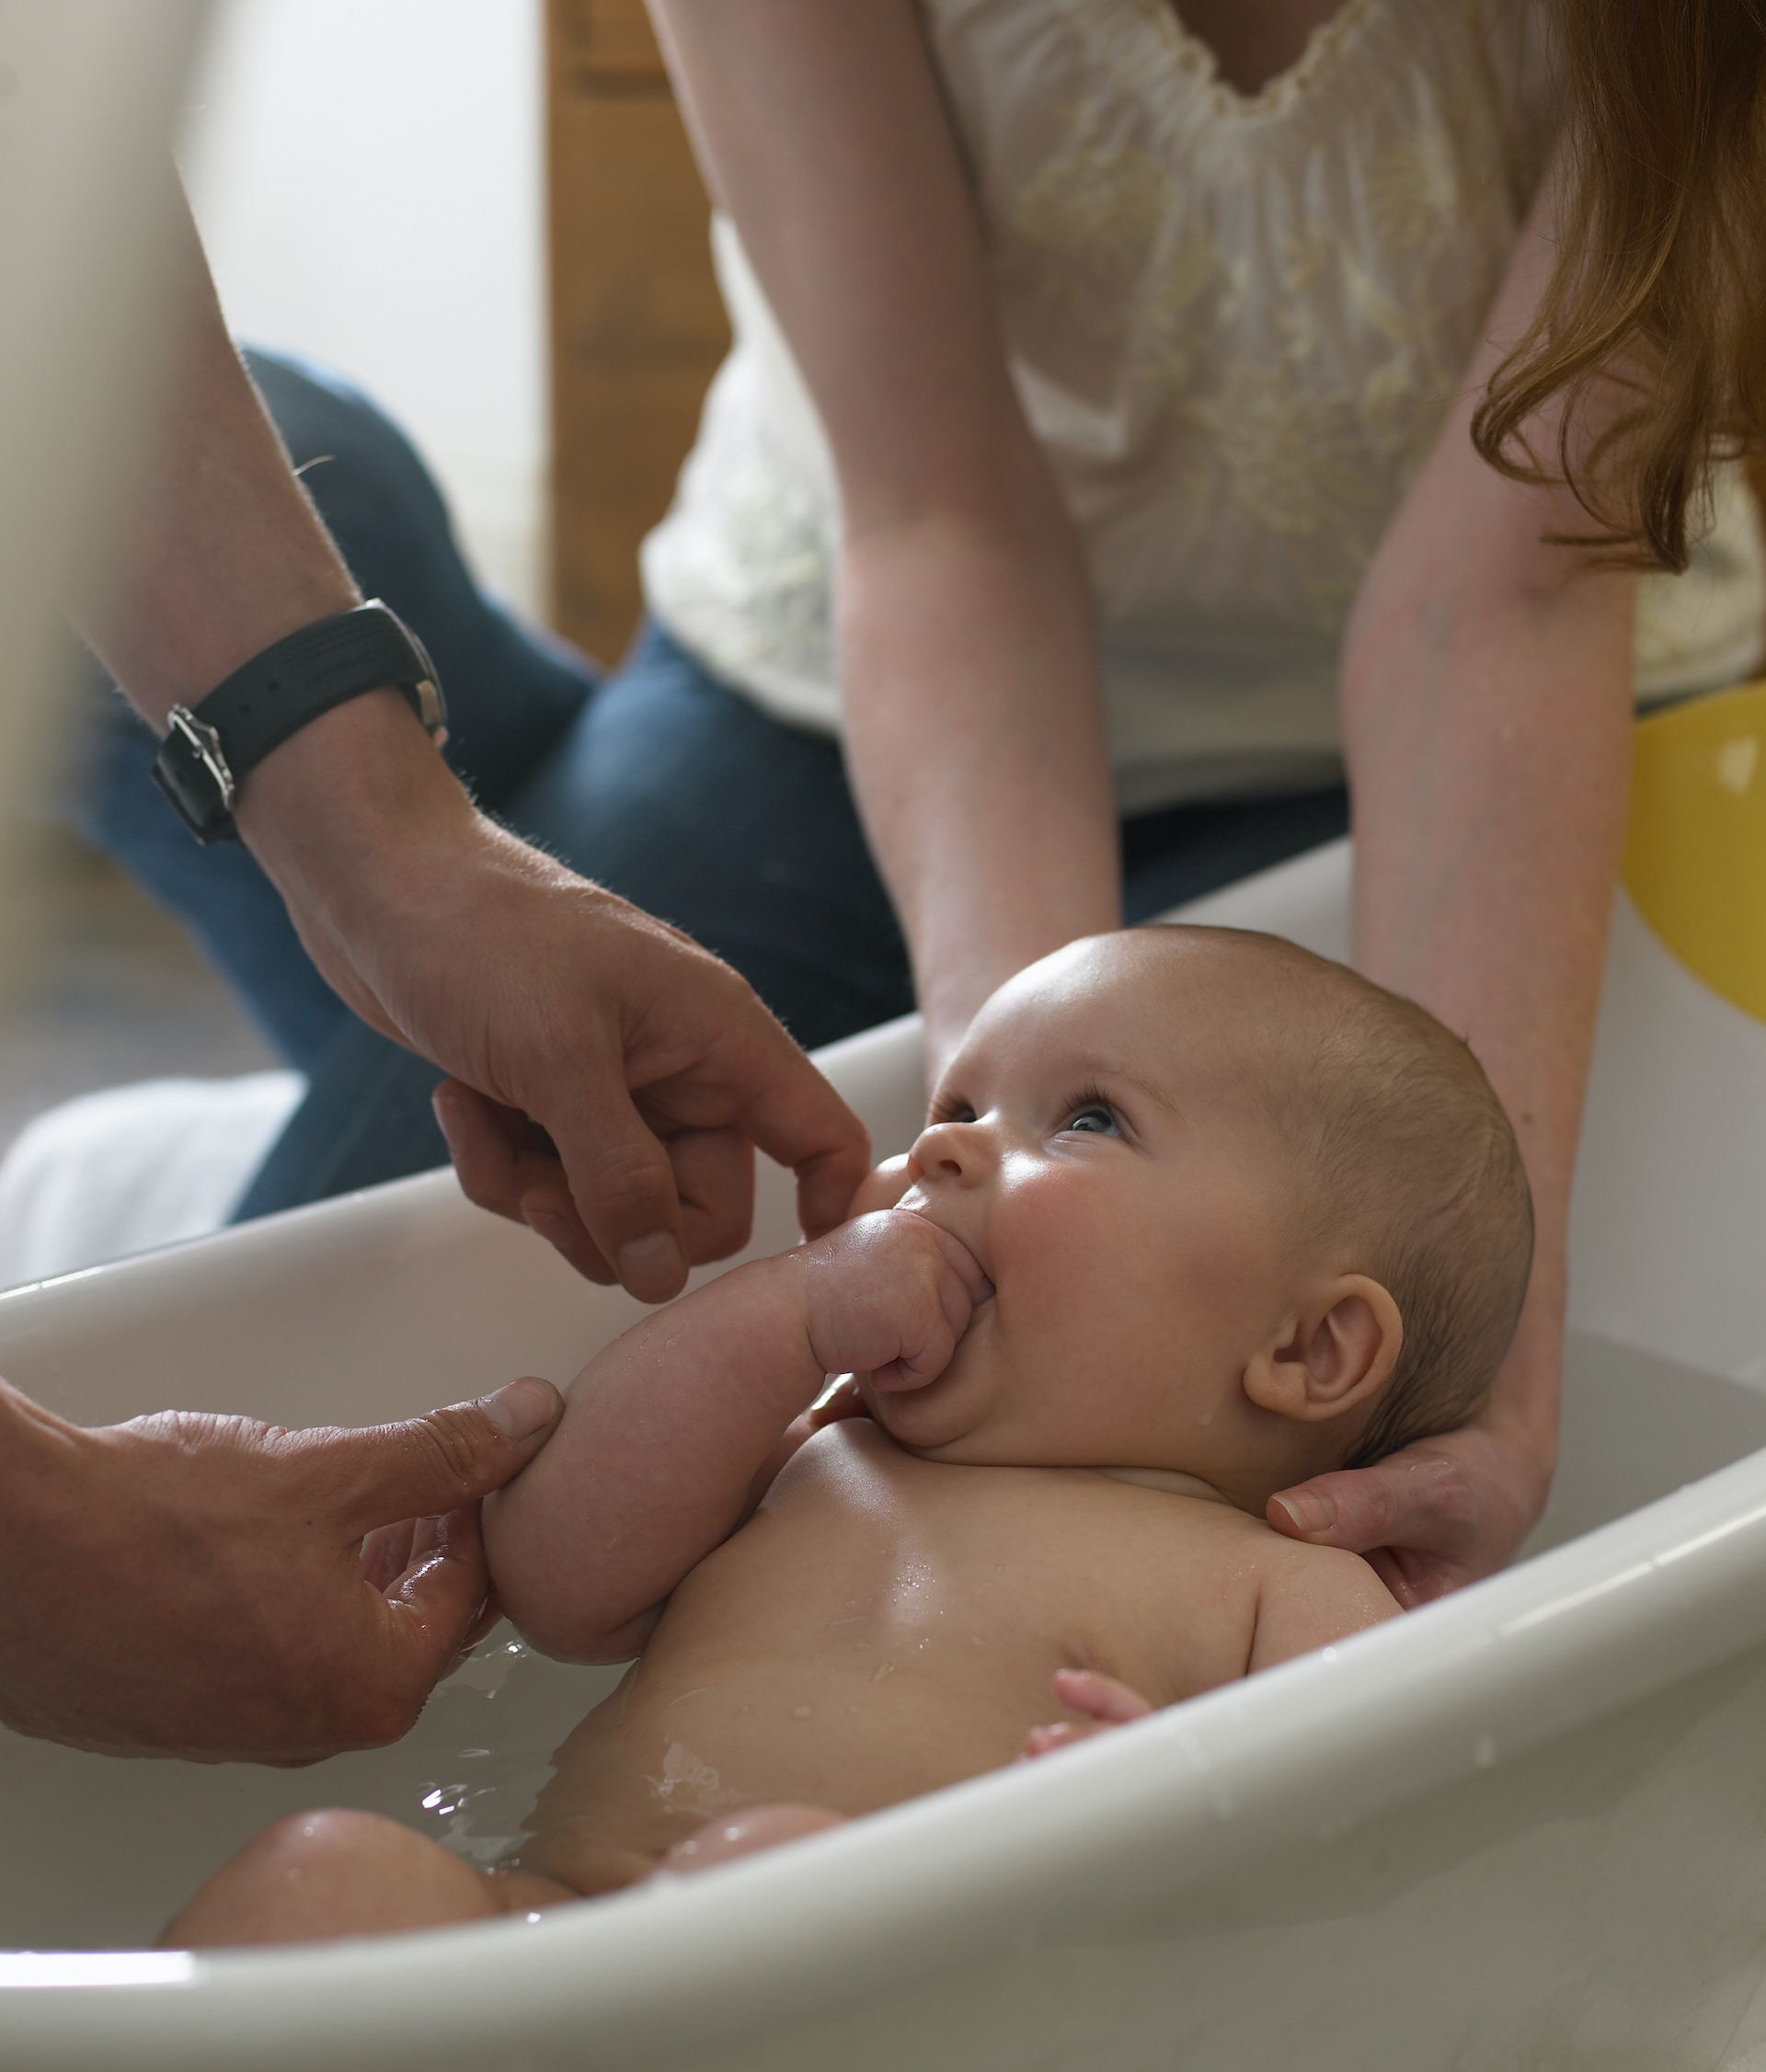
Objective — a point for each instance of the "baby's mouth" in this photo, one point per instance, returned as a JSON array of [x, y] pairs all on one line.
[[917, 1204]]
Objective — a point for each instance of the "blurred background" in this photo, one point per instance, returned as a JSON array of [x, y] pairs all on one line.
[[483, 213]]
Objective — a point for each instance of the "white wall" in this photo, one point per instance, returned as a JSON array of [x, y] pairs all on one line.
[[367, 175]]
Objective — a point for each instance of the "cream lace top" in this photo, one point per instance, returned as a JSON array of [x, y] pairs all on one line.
[[1234, 324]]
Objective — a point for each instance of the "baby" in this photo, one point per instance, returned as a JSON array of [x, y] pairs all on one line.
[[1197, 1216]]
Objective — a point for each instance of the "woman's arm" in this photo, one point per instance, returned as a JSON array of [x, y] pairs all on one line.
[[973, 711], [1487, 716]]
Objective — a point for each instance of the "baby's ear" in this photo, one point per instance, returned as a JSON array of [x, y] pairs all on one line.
[[883, 1187], [1334, 1355]]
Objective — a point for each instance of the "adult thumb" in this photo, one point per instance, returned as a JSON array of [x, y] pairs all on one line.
[[429, 1465]]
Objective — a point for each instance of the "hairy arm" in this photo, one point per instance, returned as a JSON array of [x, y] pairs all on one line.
[[651, 1065], [672, 1435], [973, 711], [1487, 716]]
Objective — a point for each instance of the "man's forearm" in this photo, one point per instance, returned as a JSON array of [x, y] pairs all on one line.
[[218, 552], [1489, 748], [976, 742]]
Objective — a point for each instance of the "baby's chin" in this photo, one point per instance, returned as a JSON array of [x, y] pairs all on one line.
[[950, 1412]]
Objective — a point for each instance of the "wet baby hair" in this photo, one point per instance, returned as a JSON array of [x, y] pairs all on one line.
[[1415, 1176]]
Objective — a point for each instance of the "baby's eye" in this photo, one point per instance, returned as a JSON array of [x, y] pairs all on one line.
[[1095, 1118]]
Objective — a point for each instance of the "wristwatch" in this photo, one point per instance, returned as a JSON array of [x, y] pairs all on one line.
[[210, 747]]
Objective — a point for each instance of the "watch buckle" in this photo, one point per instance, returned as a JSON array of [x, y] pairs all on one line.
[[204, 744], [432, 710]]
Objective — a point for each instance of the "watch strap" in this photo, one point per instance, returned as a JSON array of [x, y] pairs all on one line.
[[210, 747]]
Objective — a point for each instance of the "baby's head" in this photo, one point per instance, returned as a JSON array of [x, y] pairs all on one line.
[[1246, 1216]]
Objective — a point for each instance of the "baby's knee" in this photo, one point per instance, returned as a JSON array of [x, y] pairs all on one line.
[[329, 1872]]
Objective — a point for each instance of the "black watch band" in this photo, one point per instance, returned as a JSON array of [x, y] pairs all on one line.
[[210, 747]]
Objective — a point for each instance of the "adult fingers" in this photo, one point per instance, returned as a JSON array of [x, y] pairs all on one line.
[[623, 1185], [431, 1613], [792, 1115], [1410, 1500], [428, 1465], [387, 1552], [714, 1178], [504, 1166]]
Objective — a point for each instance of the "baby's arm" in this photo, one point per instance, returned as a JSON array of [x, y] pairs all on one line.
[[668, 1432], [1309, 1602]]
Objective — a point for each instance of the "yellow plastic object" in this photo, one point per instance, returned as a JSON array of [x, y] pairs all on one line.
[[1695, 848]]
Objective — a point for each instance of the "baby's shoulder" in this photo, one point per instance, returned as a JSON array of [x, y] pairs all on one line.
[[1309, 1596]]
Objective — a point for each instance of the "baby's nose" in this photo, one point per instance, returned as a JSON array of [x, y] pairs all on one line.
[[946, 1150]]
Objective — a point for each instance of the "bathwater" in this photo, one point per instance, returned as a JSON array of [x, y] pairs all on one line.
[[100, 1852], [485, 1743]]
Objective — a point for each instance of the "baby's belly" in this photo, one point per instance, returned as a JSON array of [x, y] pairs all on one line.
[[857, 1691]]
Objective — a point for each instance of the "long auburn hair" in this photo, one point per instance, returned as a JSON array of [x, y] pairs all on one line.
[[1659, 295]]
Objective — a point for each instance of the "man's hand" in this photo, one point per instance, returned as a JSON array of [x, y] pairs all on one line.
[[649, 1066], [888, 1296], [1436, 1516], [188, 1585]]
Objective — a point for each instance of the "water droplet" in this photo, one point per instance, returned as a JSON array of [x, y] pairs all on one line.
[[802, 1711]]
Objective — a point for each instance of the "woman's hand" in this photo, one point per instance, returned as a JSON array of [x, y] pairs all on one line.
[[1484, 662], [194, 1586], [1438, 1515]]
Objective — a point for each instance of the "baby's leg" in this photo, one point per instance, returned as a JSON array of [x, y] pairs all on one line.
[[746, 1834], [335, 1873]]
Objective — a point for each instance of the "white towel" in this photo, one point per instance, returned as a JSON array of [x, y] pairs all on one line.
[[134, 1168]]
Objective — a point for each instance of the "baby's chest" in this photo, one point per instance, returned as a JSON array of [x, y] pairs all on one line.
[[996, 1574]]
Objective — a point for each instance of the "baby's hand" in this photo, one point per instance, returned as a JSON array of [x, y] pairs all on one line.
[[882, 1187], [889, 1294], [1104, 1701]]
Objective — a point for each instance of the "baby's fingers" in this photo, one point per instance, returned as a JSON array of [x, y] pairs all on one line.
[[1045, 1740], [1100, 1697]]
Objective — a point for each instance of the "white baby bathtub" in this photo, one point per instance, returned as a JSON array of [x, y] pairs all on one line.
[[1524, 1829]]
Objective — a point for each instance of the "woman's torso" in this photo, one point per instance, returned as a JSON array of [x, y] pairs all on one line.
[[1234, 323]]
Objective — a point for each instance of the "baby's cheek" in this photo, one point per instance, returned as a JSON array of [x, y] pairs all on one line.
[[1057, 1250], [882, 1187]]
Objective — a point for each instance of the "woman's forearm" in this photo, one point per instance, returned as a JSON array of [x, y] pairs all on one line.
[[1489, 746], [977, 750], [967, 671]]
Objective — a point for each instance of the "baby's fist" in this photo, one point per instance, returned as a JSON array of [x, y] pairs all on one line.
[[889, 1294]]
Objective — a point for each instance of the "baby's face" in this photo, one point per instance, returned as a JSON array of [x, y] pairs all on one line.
[[1094, 1147]]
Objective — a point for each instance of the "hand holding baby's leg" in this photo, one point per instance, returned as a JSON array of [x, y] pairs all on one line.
[[336, 1873], [1104, 1701]]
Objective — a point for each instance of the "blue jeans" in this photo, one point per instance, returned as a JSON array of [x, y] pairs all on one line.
[[658, 781]]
